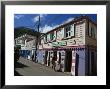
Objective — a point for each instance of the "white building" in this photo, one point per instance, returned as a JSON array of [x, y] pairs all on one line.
[[27, 44], [74, 44]]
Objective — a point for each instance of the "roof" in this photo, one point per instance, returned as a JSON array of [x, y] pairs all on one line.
[[26, 36], [73, 21]]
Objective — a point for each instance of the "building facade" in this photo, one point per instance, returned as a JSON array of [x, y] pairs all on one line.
[[26, 43], [74, 44]]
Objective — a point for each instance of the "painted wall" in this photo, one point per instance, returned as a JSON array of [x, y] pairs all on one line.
[[81, 67], [91, 40], [79, 38], [30, 44], [40, 57], [80, 34]]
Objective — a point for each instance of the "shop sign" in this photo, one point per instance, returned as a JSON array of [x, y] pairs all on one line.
[[71, 42], [62, 43], [54, 44]]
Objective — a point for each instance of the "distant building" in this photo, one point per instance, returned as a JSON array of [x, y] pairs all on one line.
[[27, 44], [74, 44]]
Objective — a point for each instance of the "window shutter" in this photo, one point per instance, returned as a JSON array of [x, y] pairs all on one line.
[[44, 39], [54, 35], [48, 37], [95, 33], [62, 32], [51, 36], [72, 30], [89, 30]]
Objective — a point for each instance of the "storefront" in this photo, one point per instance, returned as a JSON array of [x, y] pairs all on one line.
[[68, 44], [67, 57]]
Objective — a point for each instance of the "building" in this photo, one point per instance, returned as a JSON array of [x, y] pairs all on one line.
[[74, 44], [27, 44]]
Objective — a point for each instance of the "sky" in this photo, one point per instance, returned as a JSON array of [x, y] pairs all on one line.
[[47, 21]]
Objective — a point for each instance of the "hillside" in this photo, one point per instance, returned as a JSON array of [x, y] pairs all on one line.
[[23, 30]]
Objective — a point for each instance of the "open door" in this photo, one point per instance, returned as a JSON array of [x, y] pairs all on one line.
[[76, 64], [45, 57], [68, 61]]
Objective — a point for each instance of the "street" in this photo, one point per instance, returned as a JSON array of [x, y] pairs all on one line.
[[26, 67]]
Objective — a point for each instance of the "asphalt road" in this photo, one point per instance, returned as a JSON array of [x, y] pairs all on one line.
[[26, 67]]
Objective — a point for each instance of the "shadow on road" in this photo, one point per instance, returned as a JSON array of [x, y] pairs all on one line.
[[16, 73], [19, 65]]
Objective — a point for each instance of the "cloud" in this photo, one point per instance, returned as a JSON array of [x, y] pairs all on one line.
[[42, 17], [68, 20], [18, 16], [47, 28]]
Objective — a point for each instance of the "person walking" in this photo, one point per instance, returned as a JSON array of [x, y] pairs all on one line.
[[58, 66], [32, 57], [53, 63]]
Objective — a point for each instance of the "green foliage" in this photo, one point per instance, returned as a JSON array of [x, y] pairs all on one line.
[[23, 30]]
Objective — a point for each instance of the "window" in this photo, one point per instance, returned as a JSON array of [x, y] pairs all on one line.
[[67, 31], [95, 31], [51, 36], [92, 31], [48, 37], [45, 38], [40, 41]]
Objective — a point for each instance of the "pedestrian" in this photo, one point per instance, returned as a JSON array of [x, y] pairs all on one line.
[[32, 57], [28, 57], [53, 63], [58, 67]]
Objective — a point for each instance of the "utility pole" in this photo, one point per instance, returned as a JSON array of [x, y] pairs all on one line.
[[37, 36]]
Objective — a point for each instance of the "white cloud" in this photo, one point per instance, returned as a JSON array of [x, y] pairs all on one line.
[[47, 28], [68, 20], [18, 16], [42, 17]]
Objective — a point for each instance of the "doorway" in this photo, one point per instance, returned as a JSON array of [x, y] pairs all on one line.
[[93, 64], [55, 54], [48, 58], [76, 64], [68, 61], [59, 57], [45, 57]]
